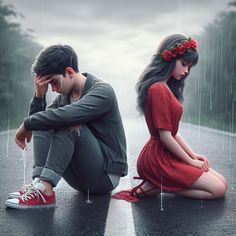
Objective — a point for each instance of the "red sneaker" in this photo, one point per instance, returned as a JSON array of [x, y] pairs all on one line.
[[33, 198], [24, 189]]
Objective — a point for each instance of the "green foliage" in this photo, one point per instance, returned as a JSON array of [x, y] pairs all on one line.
[[17, 50], [210, 98]]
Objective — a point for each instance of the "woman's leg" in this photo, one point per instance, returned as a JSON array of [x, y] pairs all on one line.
[[207, 186], [218, 175]]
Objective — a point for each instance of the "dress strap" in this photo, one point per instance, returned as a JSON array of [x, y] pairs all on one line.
[[137, 177]]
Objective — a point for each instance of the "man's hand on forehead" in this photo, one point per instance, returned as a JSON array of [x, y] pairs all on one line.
[[42, 80], [41, 84]]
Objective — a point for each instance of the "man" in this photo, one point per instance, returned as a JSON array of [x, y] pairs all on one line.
[[79, 137]]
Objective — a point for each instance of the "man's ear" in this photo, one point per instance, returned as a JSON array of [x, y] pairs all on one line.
[[70, 72]]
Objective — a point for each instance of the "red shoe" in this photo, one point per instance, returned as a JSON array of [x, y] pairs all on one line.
[[144, 193], [24, 189], [132, 195], [33, 198]]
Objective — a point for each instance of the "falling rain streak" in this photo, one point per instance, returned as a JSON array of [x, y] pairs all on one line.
[[210, 89], [161, 194], [210, 93], [8, 135], [88, 198], [24, 165]]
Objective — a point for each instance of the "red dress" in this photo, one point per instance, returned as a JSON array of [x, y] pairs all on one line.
[[155, 163]]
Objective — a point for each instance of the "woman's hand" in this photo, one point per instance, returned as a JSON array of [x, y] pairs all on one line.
[[41, 85], [201, 158], [200, 164]]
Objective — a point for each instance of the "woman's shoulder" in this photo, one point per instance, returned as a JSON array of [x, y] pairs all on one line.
[[160, 87]]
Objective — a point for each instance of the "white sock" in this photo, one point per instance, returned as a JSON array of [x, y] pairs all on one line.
[[40, 186]]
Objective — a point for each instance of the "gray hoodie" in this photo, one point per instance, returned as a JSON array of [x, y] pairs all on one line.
[[97, 109]]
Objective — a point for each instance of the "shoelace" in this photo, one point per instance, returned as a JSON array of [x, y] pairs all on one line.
[[26, 187], [31, 193]]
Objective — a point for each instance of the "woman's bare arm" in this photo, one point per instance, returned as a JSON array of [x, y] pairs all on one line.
[[180, 140], [174, 147]]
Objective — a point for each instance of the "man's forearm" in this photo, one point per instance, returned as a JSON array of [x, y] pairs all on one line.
[[37, 104]]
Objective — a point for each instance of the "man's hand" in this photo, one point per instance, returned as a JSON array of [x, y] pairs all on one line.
[[21, 134], [41, 85]]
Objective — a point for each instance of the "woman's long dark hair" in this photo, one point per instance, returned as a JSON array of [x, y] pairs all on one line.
[[159, 70]]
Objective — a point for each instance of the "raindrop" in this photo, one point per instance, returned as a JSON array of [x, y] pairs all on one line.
[[189, 121], [8, 136], [24, 164], [201, 202], [231, 130], [212, 75], [199, 110], [161, 194], [88, 199], [223, 139]]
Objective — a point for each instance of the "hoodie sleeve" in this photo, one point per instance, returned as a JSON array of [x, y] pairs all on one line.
[[37, 104], [91, 106]]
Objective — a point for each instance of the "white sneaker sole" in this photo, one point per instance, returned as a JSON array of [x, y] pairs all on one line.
[[12, 195], [24, 207]]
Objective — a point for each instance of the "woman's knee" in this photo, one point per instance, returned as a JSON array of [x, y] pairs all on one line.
[[225, 182], [219, 190], [212, 184], [218, 175]]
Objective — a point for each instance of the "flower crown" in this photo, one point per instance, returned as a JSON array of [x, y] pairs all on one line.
[[179, 49]]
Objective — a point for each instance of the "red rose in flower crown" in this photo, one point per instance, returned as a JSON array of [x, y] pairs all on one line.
[[187, 44], [174, 52], [166, 55], [180, 49], [193, 43]]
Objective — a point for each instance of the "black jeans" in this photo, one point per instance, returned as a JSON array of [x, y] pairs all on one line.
[[74, 155]]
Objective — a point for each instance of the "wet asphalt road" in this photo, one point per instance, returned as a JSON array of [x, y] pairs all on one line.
[[105, 216]]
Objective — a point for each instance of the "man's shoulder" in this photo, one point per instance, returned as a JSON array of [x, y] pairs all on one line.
[[95, 78], [96, 82]]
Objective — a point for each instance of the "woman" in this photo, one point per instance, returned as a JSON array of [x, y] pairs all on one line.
[[166, 161]]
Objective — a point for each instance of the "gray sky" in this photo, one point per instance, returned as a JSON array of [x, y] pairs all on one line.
[[115, 39]]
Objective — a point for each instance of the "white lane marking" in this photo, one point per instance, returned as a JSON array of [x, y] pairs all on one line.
[[120, 218]]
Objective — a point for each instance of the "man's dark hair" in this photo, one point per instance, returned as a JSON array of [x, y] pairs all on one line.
[[54, 60]]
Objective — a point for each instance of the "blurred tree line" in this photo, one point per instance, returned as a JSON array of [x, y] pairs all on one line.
[[210, 92], [17, 50]]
